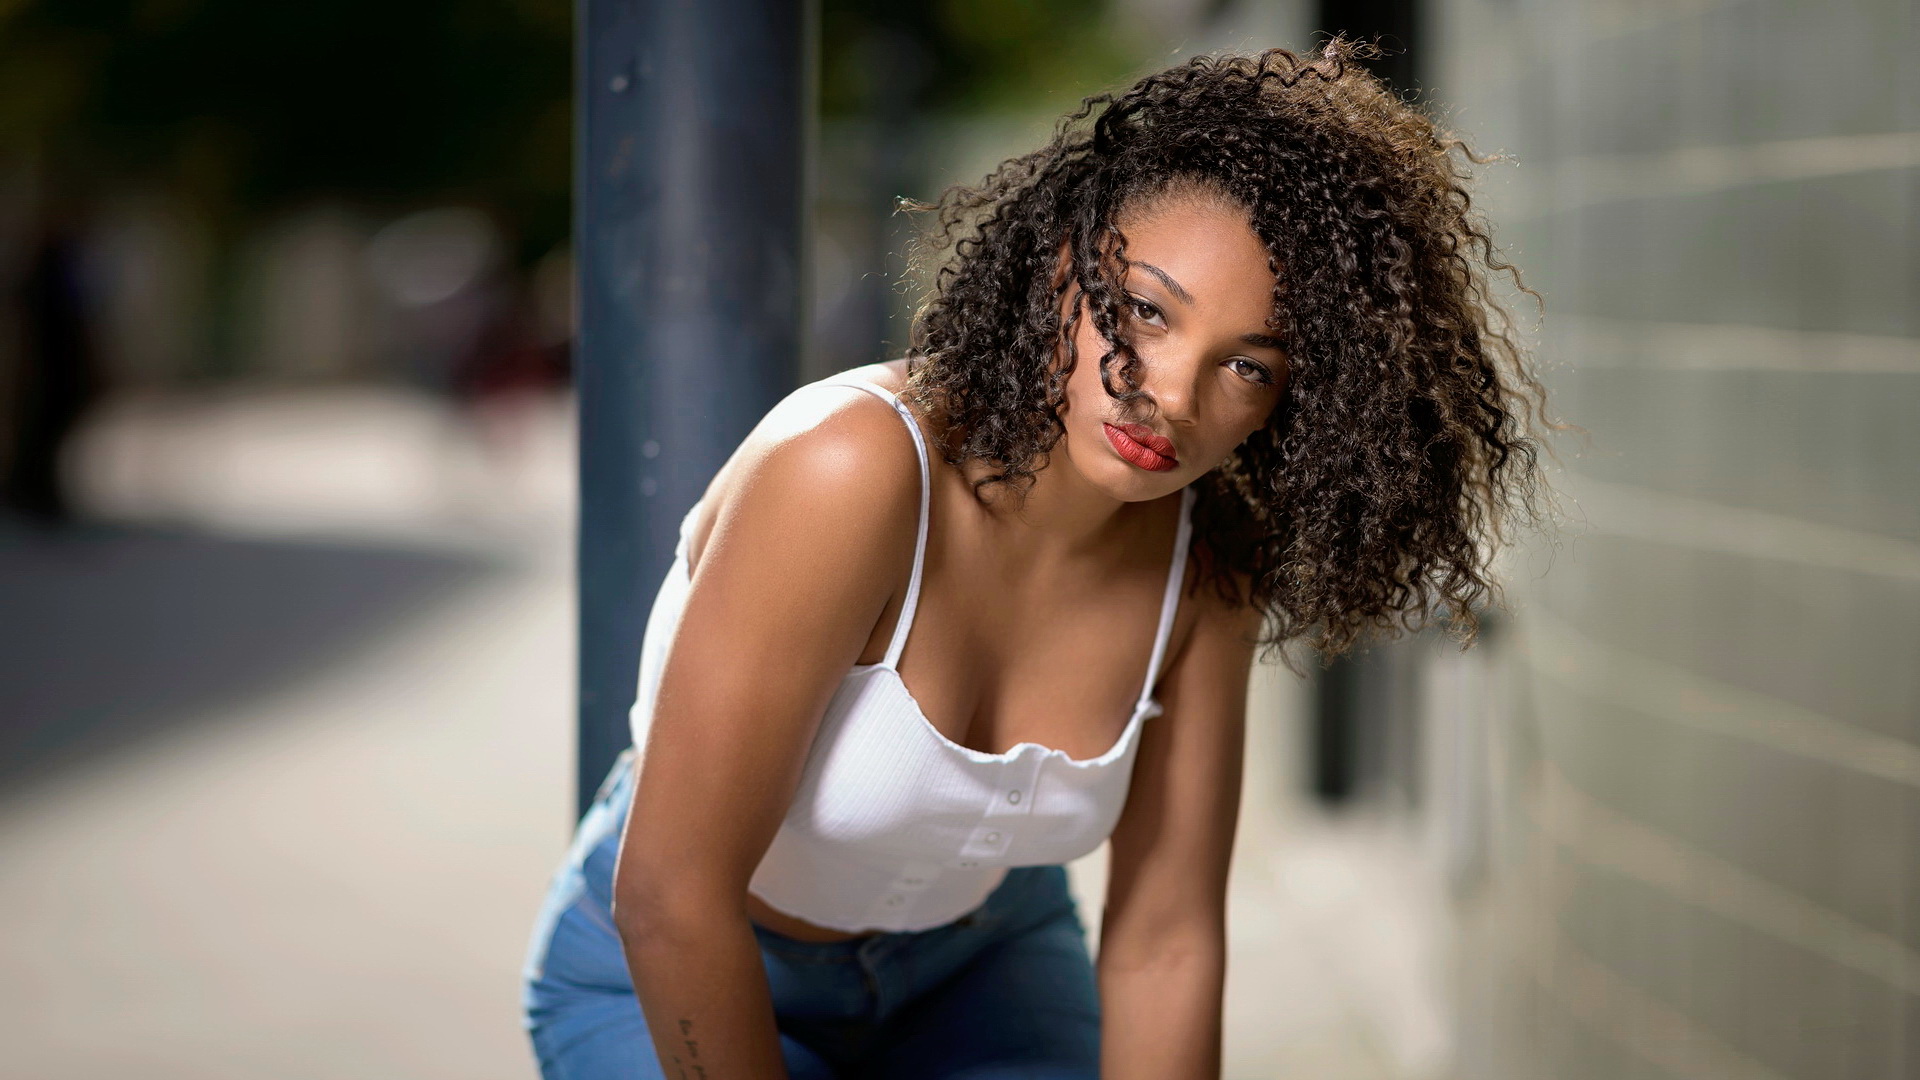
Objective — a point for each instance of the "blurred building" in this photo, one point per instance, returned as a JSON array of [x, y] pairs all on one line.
[[1681, 790]]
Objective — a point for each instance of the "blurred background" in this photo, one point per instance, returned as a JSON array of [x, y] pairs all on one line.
[[287, 566]]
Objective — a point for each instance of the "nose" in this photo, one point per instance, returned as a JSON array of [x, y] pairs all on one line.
[[1173, 381]]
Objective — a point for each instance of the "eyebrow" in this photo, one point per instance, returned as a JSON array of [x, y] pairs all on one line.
[[1265, 341], [1167, 280]]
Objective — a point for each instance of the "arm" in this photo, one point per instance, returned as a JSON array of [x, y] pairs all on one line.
[[1163, 935], [815, 529]]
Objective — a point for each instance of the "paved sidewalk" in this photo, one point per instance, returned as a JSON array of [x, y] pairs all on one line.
[[333, 876]]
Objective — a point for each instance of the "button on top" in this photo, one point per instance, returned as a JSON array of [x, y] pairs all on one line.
[[993, 838], [1013, 796]]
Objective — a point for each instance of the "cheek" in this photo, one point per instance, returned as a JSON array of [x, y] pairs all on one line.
[[1088, 345], [1259, 424], [1083, 383], [1243, 429]]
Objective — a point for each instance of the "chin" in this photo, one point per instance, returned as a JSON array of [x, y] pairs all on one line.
[[1124, 481]]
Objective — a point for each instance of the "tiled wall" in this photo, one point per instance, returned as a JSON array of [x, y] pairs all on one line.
[[1701, 828]]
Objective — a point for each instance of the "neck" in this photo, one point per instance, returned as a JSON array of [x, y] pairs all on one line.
[[1060, 515]]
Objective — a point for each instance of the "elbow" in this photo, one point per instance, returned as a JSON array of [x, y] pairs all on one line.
[[1203, 946], [633, 911], [643, 912], [652, 914]]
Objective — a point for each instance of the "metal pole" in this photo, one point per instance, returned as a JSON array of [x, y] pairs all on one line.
[[691, 188]]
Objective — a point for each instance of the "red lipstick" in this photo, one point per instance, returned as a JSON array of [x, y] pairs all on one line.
[[1140, 446]]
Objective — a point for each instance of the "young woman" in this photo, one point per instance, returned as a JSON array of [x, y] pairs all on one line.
[[1213, 372]]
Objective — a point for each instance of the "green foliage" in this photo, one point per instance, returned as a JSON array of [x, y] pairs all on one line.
[[968, 56], [242, 106]]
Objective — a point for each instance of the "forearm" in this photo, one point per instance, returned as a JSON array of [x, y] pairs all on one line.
[[1161, 1018], [703, 987]]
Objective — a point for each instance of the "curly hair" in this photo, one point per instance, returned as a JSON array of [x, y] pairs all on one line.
[[1374, 498]]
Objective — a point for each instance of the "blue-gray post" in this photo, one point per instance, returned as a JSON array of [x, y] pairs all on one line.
[[691, 187]]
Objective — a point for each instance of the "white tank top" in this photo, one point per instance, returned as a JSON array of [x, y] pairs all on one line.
[[894, 826]]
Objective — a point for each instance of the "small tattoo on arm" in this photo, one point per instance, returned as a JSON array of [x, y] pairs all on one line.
[[693, 1051]]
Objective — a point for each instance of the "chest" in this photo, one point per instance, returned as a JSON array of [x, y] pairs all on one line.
[[880, 782], [998, 656]]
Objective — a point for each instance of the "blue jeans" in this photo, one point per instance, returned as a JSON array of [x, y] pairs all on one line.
[[1006, 991]]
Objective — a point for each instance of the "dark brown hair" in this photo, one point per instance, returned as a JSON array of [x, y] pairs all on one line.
[[1376, 494]]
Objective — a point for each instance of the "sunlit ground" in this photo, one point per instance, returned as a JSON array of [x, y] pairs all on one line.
[[294, 763]]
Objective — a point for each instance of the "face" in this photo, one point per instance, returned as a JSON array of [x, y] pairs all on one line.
[[1198, 294]]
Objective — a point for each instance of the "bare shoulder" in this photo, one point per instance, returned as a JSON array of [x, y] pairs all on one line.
[[1206, 616], [822, 456], [889, 374], [837, 433]]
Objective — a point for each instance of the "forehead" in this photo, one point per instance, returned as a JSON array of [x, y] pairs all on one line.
[[1208, 247]]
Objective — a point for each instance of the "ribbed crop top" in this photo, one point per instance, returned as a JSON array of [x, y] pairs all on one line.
[[894, 826]]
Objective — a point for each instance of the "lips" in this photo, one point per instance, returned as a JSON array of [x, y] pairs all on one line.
[[1137, 450], [1144, 435]]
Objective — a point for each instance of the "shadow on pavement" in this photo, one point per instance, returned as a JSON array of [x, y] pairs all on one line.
[[111, 635]]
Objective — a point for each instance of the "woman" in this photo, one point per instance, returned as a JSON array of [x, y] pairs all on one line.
[[906, 659]]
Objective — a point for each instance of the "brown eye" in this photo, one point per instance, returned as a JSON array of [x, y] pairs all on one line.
[[1140, 306], [1254, 371]]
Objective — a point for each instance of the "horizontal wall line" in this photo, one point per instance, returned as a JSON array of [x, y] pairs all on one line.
[[1559, 652], [1594, 179], [1601, 836], [1599, 999], [1643, 513], [1671, 346]]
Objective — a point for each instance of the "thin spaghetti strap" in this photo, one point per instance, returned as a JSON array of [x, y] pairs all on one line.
[[681, 548], [1170, 602], [905, 621]]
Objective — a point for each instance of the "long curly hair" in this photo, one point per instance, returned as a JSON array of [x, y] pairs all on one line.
[[1376, 496]]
